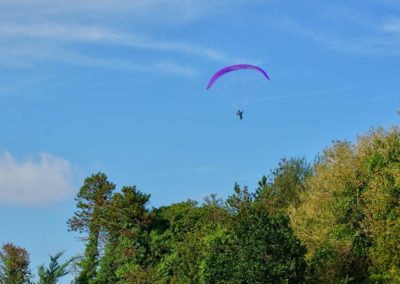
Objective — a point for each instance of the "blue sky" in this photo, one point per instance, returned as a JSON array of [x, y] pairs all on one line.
[[119, 87]]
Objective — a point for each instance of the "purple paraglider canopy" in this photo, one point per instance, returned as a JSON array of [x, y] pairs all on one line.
[[231, 68]]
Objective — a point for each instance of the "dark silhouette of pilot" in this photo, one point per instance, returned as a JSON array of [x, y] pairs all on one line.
[[240, 113]]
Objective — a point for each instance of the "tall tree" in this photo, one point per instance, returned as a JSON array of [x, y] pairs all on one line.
[[14, 265], [108, 264], [92, 200], [127, 248]]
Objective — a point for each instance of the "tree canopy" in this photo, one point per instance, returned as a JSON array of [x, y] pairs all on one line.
[[336, 220]]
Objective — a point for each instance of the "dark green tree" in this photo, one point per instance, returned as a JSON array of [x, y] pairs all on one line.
[[14, 265], [177, 234], [255, 248], [89, 218], [218, 263], [174, 225]]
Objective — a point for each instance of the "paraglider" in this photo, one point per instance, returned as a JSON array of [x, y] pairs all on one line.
[[232, 68], [240, 114]]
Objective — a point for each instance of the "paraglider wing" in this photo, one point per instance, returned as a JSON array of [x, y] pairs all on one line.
[[231, 68]]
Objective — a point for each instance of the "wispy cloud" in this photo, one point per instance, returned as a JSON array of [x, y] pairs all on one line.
[[382, 41], [26, 56], [152, 11], [94, 34], [315, 93], [346, 28], [43, 180], [26, 45], [32, 31]]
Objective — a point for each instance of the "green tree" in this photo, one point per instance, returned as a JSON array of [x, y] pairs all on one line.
[[328, 221], [175, 225], [255, 248], [109, 261], [55, 270], [127, 245], [89, 218], [349, 215], [284, 185], [14, 265], [218, 263], [177, 233], [381, 203]]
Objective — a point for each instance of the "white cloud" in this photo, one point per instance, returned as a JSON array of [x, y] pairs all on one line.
[[151, 11], [25, 56], [43, 180], [61, 30], [25, 45], [94, 34]]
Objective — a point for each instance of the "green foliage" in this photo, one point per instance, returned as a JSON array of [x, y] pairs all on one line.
[[54, 271], [14, 265], [284, 185], [218, 263], [139, 275], [382, 203], [329, 219], [349, 217], [109, 263], [345, 210], [90, 261], [126, 222], [92, 201], [177, 234], [256, 248], [175, 242]]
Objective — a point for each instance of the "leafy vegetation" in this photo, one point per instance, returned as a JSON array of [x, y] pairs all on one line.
[[349, 215], [14, 265], [54, 271], [336, 220]]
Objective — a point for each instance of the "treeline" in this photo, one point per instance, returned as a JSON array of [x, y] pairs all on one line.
[[336, 220]]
